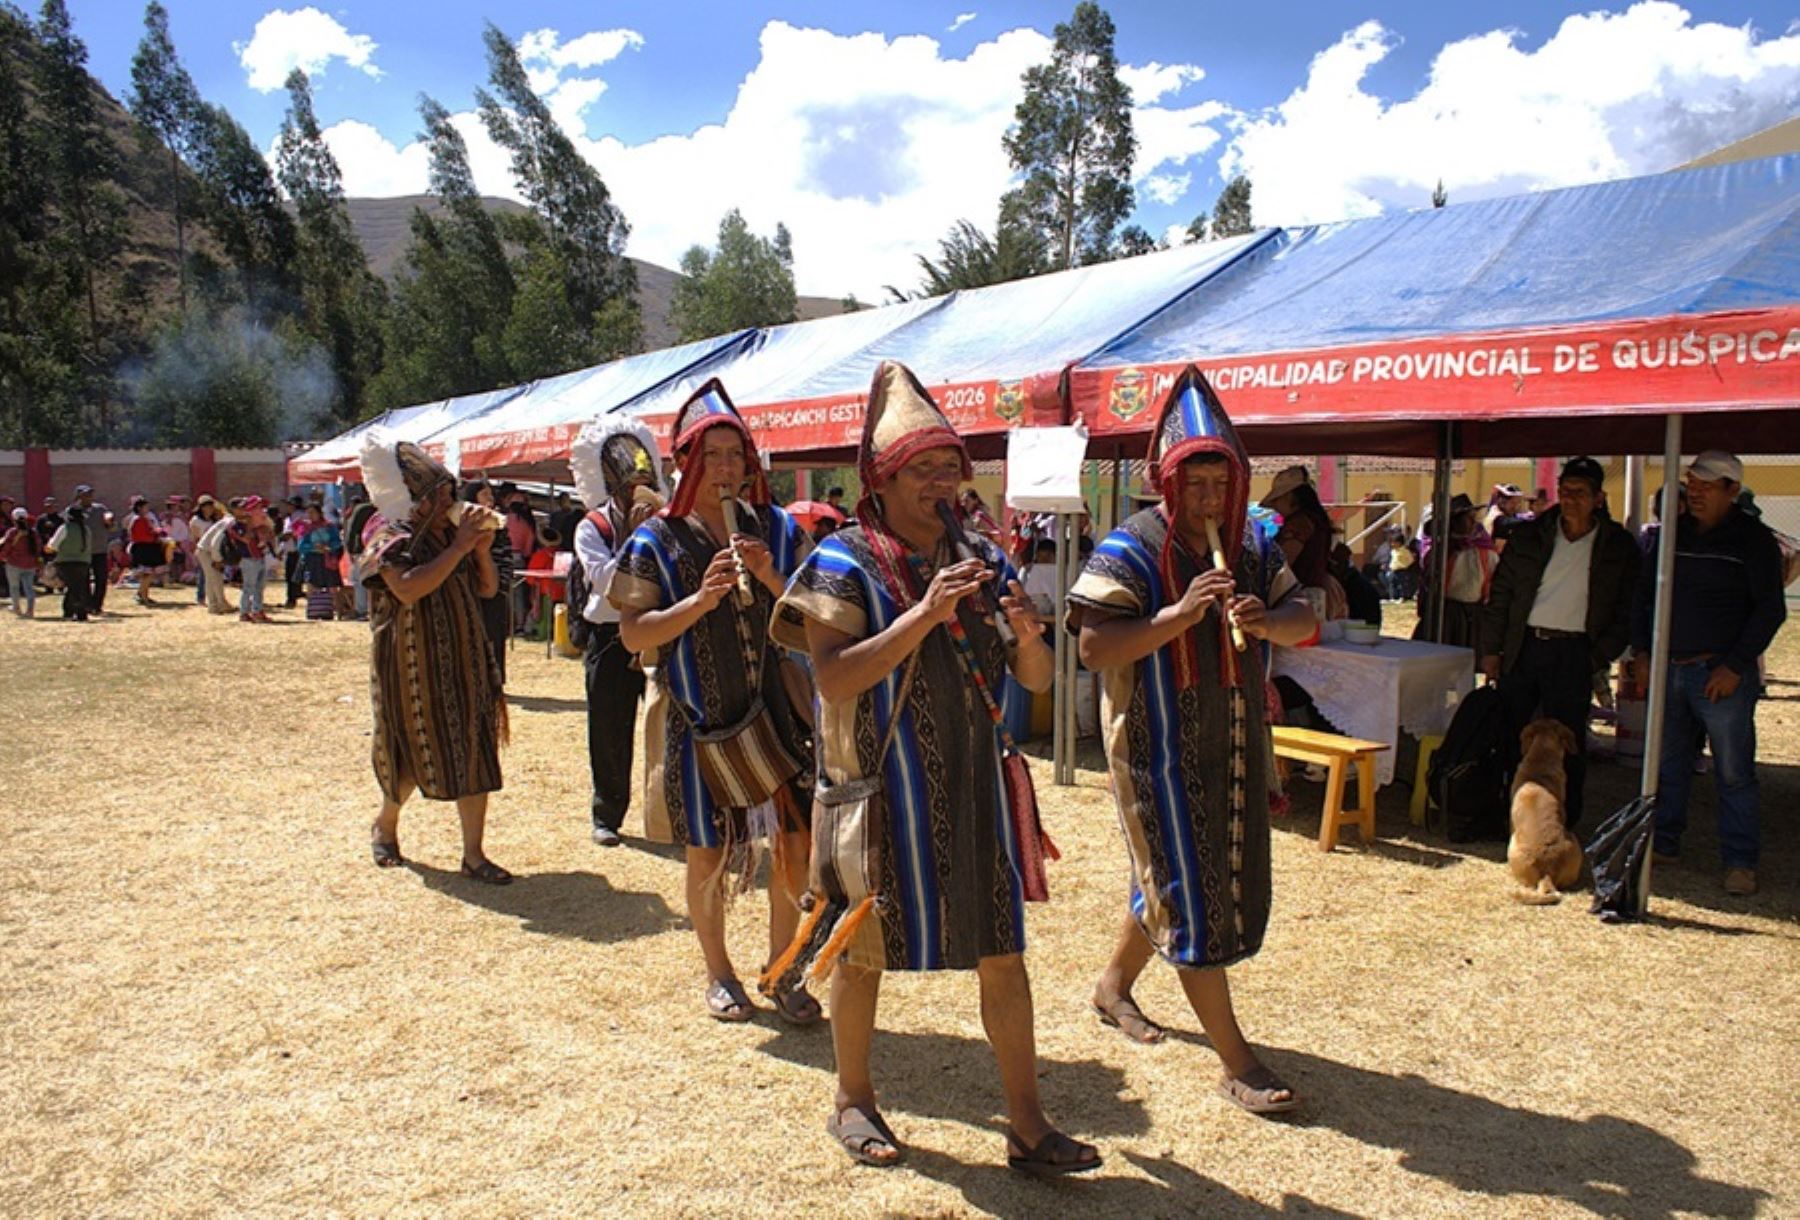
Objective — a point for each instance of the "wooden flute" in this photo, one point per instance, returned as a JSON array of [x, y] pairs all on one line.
[[746, 593], [1218, 558]]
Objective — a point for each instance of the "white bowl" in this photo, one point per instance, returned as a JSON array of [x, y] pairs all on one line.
[[1361, 633]]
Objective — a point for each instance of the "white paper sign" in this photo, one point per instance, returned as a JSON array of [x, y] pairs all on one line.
[[1043, 469]]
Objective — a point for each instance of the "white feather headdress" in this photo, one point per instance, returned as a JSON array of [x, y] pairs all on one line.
[[584, 455], [381, 474]]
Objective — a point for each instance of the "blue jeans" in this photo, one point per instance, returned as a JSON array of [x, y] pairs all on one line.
[[253, 572], [199, 581], [1730, 726], [21, 584]]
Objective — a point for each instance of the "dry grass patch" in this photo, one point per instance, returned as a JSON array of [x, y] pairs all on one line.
[[214, 1004]]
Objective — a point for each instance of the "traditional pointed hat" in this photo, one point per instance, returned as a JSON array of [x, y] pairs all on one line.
[[710, 407], [609, 455], [1192, 423], [399, 474], [901, 422]]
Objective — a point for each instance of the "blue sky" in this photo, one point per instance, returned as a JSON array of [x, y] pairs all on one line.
[[870, 128]]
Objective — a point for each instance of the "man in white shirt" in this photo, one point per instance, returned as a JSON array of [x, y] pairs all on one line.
[[1559, 612], [617, 472], [209, 551]]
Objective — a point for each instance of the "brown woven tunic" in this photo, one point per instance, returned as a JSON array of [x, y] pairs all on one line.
[[433, 681]]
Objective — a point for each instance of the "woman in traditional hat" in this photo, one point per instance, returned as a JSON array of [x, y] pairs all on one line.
[[927, 834], [694, 586], [439, 712], [1157, 608]]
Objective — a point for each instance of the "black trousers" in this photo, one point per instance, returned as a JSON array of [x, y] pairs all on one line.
[[613, 691], [77, 581], [1552, 678], [295, 589], [99, 570]]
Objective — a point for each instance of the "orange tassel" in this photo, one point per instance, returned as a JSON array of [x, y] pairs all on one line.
[[840, 940], [502, 722], [809, 924], [1049, 846]]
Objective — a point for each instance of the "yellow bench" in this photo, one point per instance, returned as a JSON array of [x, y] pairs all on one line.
[[1335, 754]]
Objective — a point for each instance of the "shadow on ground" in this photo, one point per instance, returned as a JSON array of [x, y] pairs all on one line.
[[1606, 1164], [1174, 1190], [584, 906], [546, 703]]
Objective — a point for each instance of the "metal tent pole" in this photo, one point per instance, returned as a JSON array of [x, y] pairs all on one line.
[[1656, 705], [1063, 690], [1440, 520]]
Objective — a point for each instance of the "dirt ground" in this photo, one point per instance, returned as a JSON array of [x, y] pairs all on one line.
[[214, 1004]]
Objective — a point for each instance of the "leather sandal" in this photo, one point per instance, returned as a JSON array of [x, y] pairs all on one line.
[[726, 1000], [1124, 1015], [1055, 1156], [487, 872], [1255, 1091], [865, 1137]]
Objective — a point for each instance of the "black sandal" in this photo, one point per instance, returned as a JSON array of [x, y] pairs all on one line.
[[1051, 1158], [387, 855], [487, 872], [862, 1134]]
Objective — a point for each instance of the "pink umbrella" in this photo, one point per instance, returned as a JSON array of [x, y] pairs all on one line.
[[810, 512]]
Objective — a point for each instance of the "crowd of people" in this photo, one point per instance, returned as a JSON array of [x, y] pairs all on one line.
[[833, 695], [1550, 593]]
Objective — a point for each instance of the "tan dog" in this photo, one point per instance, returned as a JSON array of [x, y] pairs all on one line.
[[1543, 856]]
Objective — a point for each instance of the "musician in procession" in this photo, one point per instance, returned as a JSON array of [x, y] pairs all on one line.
[[434, 683], [927, 842], [618, 474], [728, 755], [1157, 608]]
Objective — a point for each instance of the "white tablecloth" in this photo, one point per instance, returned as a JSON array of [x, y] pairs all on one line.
[[1374, 691]]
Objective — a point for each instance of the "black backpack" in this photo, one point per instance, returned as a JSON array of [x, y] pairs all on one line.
[[1471, 770], [575, 594]]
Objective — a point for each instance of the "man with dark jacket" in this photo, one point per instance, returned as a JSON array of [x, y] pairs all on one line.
[[1559, 611], [1727, 605]]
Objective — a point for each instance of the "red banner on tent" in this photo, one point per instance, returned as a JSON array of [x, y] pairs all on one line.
[[1719, 361], [973, 408]]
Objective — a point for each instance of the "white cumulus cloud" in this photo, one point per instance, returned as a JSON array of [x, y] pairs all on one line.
[[867, 147], [1607, 95], [303, 38], [547, 59], [962, 19], [1153, 81]]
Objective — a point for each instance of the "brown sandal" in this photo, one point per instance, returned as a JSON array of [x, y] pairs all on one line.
[[797, 1006], [1055, 1156], [387, 855], [1124, 1015], [1255, 1091], [863, 1135]]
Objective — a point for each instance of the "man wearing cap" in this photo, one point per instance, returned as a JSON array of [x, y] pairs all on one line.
[[1728, 604], [95, 519], [1160, 610], [1559, 612]]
